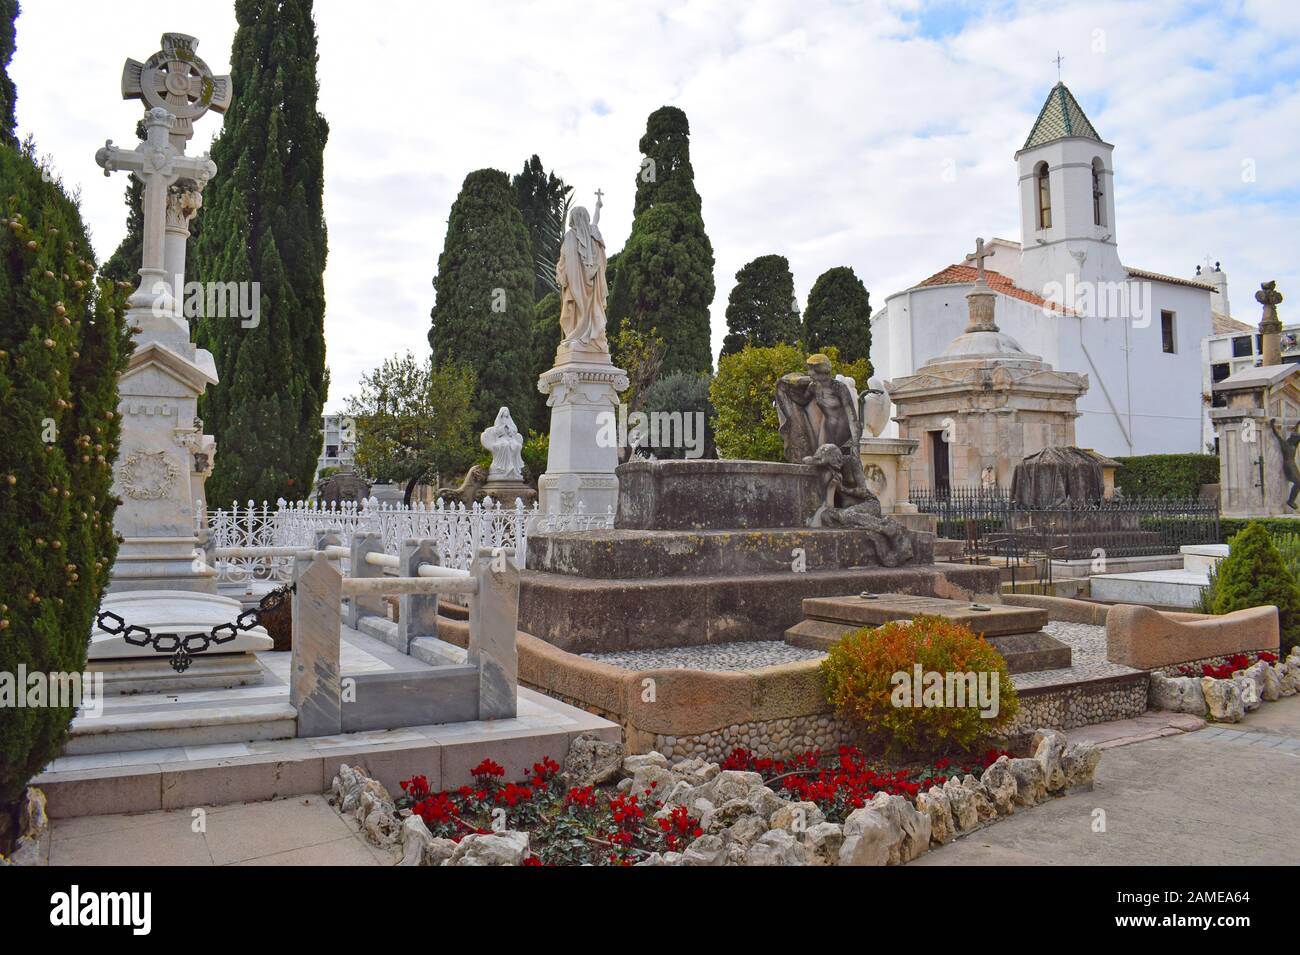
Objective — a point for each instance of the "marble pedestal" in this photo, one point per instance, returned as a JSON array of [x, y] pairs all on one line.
[[582, 392], [163, 462]]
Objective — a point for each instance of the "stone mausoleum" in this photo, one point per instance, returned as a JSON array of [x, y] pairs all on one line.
[[983, 405]]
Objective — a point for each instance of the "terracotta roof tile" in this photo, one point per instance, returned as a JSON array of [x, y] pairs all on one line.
[[964, 274], [1171, 279]]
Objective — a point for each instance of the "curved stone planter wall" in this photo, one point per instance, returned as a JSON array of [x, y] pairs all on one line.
[[1147, 639]]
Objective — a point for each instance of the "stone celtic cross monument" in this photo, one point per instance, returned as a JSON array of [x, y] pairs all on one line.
[[165, 456], [582, 389]]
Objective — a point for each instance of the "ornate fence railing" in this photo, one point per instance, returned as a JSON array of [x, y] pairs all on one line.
[[458, 530], [991, 522]]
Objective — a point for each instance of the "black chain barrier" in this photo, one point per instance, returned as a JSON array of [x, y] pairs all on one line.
[[182, 649]]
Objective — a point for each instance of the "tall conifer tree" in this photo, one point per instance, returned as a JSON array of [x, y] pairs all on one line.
[[761, 310], [664, 277], [63, 345], [839, 314], [262, 221], [483, 309], [8, 118]]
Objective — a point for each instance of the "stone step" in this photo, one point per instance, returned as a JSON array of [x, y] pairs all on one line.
[[156, 725]]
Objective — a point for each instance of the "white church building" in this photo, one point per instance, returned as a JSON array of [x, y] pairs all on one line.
[[1065, 296]]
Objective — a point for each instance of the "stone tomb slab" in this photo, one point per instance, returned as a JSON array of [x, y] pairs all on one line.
[[1015, 632], [994, 622]]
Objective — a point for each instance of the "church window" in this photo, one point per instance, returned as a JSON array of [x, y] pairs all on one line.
[[1044, 196], [1167, 342], [1098, 199]]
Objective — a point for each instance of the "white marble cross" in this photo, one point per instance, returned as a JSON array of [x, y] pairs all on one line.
[[978, 257], [157, 164], [178, 81]]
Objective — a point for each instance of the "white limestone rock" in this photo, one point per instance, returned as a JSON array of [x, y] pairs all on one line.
[[914, 825], [745, 830], [936, 805], [416, 839], [1000, 786], [776, 847], [1080, 762], [962, 803], [1288, 678], [707, 850], [1031, 786], [822, 843], [497, 848], [636, 762], [1180, 694], [592, 761], [1048, 745], [1254, 673], [1271, 691], [730, 784], [765, 802], [1223, 698], [870, 838], [1249, 692], [797, 817], [695, 771]]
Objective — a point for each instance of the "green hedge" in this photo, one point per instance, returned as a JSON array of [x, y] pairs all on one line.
[[1166, 475], [1229, 527]]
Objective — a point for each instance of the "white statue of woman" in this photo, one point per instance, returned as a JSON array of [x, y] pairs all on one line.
[[580, 274], [506, 444]]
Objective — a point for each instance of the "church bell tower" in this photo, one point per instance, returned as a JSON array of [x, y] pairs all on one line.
[[1067, 202]]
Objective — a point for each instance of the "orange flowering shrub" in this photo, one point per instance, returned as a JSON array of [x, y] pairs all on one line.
[[924, 685]]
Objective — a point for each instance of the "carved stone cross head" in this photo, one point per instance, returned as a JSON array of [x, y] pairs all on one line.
[[978, 257], [177, 80]]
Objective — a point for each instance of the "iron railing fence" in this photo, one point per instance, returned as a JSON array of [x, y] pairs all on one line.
[[459, 530], [990, 522]]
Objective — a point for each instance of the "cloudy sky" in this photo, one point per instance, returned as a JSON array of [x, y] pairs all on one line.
[[878, 134]]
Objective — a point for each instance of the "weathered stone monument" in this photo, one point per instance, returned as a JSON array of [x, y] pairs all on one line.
[[163, 594], [582, 388], [1259, 428], [883, 462], [716, 551], [505, 482], [165, 457], [984, 404]]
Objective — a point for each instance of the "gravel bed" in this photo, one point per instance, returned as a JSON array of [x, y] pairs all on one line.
[[743, 655]]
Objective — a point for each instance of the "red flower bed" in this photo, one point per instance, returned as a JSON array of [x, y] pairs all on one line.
[[1224, 671], [573, 825]]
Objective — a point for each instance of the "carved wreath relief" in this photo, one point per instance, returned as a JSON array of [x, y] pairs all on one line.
[[147, 475]]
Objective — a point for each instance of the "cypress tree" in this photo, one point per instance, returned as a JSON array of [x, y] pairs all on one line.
[[8, 95], [839, 314], [124, 264], [761, 310], [483, 307], [63, 345], [546, 340], [543, 200], [664, 278], [263, 222]]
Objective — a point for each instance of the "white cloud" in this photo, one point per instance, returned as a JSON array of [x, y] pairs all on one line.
[[820, 130]]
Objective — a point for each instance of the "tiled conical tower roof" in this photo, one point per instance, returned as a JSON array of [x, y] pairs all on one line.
[[1060, 117]]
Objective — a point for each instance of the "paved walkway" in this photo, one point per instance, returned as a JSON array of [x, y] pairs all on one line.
[[1222, 795], [304, 830], [1215, 795]]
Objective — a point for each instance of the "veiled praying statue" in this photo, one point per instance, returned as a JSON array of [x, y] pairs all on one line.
[[580, 273], [506, 444]]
